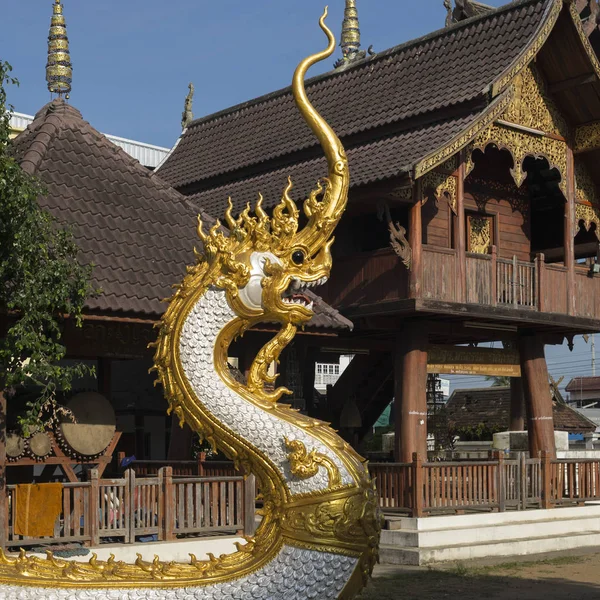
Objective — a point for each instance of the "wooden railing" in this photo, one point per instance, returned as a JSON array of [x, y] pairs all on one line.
[[439, 274], [134, 506], [516, 283], [202, 467], [574, 481], [420, 489]]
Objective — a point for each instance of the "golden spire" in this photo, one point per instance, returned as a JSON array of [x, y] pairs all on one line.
[[59, 71], [350, 43], [350, 30]]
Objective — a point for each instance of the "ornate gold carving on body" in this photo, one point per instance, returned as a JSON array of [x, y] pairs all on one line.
[[540, 39], [451, 164], [285, 258], [463, 139], [532, 106], [585, 188], [402, 193], [521, 145], [589, 215], [587, 137], [306, 464], [480, 234], [443, 186]]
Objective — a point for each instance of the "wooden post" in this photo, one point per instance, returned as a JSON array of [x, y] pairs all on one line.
[[546, 479], [523, 481], [132, 503], [415, 239], [105, 377], [94, 505], [460, 236], [570, 231], [169, 495], [540, 263], [161, 504], [494, 275], [410, 373], [249, 505], [501, 482], [417, 466], [3, 489], [538, 399], [180, 442], [517, 405], [127, 506]]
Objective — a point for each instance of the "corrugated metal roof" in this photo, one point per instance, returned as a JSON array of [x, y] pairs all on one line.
[[147, 154]]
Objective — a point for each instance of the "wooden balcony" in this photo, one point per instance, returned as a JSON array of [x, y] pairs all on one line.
[[490, 281]]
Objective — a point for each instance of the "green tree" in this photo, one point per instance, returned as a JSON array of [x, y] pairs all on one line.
[[41, 284], [498, 380]]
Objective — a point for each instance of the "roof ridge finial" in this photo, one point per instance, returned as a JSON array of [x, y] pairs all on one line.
[[188, 116], [350, 42], [59, 71]]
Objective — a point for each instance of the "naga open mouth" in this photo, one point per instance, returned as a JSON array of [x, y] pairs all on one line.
[[295, 292]]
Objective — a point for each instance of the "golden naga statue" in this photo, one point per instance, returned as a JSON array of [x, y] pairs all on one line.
[[320, 529]]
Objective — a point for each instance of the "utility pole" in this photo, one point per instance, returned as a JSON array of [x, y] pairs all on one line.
[[593, 355]]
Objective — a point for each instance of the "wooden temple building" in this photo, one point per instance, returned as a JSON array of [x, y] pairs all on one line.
[[474, 211]]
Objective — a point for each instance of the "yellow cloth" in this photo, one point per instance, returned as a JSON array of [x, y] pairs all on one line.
[[37, 506]]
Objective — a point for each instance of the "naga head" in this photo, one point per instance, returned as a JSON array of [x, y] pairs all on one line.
[[267, 261]]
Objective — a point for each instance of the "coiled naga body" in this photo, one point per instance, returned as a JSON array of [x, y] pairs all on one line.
[[320, 528]]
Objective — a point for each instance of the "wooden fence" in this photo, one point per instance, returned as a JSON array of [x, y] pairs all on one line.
[[420, 488], [183, 468], [128, 508]]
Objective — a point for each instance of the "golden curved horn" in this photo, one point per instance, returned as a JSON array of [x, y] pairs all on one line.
[[336, 195]]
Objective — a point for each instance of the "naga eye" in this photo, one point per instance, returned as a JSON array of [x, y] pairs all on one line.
[[298, 257]]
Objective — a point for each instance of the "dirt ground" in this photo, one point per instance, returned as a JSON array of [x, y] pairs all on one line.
[[574, 576]]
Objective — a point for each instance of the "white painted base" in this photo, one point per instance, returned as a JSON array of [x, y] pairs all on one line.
[[464, 537]]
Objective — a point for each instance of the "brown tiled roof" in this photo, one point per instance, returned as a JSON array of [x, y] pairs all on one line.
[[135, 229], [413, 86], [584, 384], [491, 407], [368, 164]]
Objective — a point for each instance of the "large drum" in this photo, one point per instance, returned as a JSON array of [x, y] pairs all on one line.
[[94, 427]]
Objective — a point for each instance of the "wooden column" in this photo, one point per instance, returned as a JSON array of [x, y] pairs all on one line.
[[538, 399], [517, 405], [570, 231], [410, 373], [180, 442], [415, 239], [3, 496], [460, 239], [105, 377]]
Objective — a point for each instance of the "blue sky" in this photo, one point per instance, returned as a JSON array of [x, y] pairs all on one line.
[[133, 60]]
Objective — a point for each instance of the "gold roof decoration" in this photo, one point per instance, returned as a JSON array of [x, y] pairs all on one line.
[[59, 71], [350, 42]]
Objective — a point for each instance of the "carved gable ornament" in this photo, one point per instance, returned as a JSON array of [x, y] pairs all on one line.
[[587, 208], [524, 127]]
